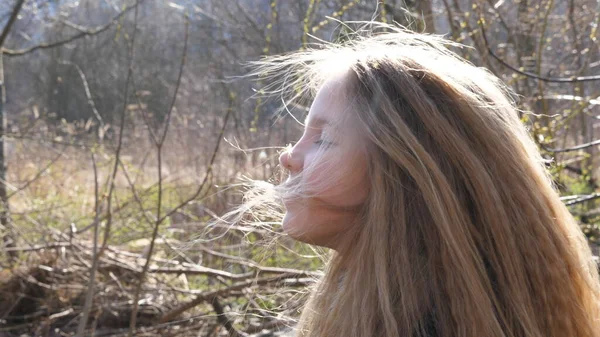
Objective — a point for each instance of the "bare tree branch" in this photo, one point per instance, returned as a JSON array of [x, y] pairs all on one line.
[[83, 32], [583, 199], [573, 79], [11, 21], [88, 95], [570, 149]]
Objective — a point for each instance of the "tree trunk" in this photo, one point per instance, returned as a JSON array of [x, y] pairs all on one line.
[[5, 223], [9, 235]]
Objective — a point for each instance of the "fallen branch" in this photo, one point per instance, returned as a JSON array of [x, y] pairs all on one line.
[[223, 319], [38, 247], [221, 292]]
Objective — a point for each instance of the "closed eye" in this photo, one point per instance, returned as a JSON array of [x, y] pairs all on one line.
[[323, 143]]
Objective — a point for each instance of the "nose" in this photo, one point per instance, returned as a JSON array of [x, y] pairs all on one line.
[[291, 160]]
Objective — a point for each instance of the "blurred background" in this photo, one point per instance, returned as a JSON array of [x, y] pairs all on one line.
[[127, 123]]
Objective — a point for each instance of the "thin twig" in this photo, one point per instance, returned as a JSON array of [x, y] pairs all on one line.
[[121, 130], [37, 176], [178, 83], [90, 291], [159, 220], [210, 167]]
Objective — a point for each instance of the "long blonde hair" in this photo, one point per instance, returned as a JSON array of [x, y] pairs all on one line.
[[463, 234]]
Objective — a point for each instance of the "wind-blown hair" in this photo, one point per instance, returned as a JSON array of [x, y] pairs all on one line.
[[463, 233]]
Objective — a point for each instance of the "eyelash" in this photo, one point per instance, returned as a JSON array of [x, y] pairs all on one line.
[[322, 142]]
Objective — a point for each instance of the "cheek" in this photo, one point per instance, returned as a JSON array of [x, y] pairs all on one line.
[[342, 182]]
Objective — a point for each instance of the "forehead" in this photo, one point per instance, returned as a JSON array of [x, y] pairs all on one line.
[[331, 104]]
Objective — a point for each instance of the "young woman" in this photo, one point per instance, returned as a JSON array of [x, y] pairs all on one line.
[[415, 169]]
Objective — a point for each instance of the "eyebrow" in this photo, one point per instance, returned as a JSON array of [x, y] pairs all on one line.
[[317, 121]]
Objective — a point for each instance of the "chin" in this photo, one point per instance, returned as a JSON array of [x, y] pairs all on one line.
[[300, 228], [292, 225]]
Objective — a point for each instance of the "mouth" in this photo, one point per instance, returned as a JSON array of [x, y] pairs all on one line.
[[288, 202]]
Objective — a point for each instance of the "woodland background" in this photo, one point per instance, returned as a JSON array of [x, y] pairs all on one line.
[[125, 124]]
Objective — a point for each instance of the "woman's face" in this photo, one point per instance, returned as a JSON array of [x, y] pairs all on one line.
[[329, 161]]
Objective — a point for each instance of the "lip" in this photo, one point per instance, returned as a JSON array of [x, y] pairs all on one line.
[[288, 203]]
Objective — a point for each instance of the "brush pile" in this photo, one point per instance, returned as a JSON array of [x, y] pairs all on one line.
[[44, 294]]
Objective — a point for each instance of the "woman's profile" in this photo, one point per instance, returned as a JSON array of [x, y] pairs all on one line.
[[415, 168]]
